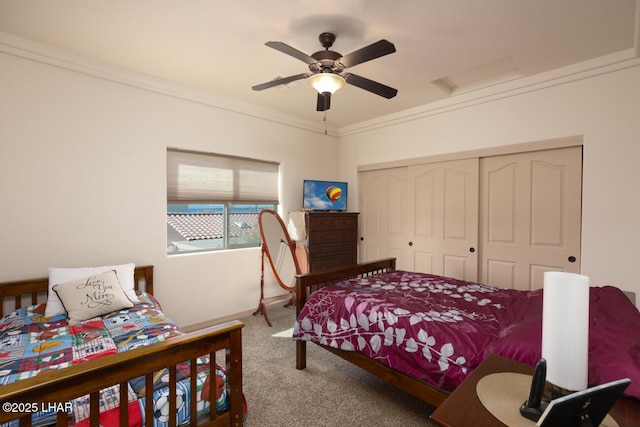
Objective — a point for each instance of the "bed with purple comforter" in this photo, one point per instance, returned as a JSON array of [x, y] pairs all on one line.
[[438, 329]]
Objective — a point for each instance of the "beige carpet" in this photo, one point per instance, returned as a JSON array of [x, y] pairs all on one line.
[[330, 392]]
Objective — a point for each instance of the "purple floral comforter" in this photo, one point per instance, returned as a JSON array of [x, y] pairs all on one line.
[[438, 329]]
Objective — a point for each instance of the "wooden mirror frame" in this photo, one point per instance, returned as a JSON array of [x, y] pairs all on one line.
[[269, 252]]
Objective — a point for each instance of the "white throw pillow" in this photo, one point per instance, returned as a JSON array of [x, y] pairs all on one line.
[[92, 296], [62, 275]]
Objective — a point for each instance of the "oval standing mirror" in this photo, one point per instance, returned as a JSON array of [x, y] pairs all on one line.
[[280, 253]]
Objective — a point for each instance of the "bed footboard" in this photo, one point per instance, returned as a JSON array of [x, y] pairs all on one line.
[[308, 283], [64, 385]]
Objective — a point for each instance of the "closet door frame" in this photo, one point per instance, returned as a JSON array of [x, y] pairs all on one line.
[[574, 141]]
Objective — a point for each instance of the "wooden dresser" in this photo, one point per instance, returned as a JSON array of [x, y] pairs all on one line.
[[332, 240]]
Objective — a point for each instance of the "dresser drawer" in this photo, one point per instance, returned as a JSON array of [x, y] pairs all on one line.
[[322, 264], [320, 237], [333, 249], [331, 222]]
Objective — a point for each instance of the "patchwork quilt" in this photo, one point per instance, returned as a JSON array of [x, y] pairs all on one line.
[[31, 343], [438, 329]]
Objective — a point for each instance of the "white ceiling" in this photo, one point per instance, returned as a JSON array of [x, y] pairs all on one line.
[[444, 47]]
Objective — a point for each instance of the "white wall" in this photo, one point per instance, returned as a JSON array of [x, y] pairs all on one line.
[[83, 181], [604, 109]]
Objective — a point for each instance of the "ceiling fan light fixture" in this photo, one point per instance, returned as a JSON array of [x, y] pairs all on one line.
[[326, 82]]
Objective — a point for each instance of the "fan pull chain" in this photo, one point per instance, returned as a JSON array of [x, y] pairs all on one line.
[[325, 122]]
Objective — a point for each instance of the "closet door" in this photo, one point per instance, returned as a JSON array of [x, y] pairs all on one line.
[[443, 218], [530, 216], [383, 215]]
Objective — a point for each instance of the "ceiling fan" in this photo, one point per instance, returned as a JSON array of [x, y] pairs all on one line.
[[326, 69]]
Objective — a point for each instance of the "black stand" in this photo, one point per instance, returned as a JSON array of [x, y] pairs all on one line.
[[534, 407], [534, 414]]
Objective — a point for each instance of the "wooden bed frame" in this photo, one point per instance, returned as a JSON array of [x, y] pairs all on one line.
[[626, 411], [63, 385], [307, 283]]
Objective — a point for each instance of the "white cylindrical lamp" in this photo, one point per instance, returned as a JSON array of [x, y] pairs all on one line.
[[296, 226], [565, 329]]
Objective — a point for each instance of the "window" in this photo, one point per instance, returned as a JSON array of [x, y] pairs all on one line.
[[213, 201]]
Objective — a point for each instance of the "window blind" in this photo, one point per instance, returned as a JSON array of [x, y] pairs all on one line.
[[196, 177]]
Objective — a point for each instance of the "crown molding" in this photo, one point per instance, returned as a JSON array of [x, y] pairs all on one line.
[[27, 49], [560, 76]]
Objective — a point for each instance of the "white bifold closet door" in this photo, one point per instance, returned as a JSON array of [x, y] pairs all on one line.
[[383, 216], [530, 215], [443, 218], [426, 216]]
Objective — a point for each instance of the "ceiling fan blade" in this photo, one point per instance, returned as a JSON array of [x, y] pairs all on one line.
[[324, 101], [285, 48], [367, 53], [281, 81], [374, 87]]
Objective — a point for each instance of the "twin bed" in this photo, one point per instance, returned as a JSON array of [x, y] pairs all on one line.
[[68, 368], [425, 334]]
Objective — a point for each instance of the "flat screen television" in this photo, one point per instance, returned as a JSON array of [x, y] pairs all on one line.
[[324, 195]]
